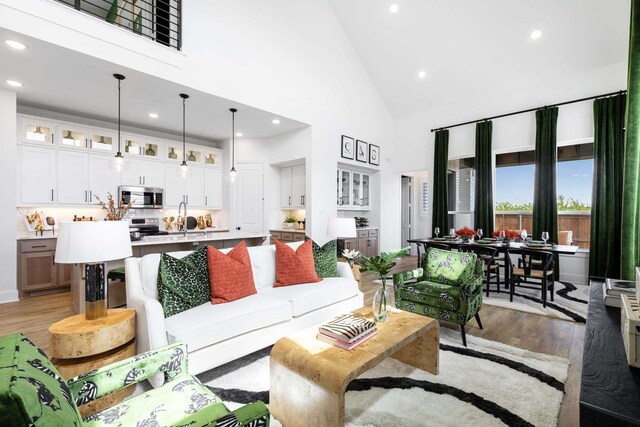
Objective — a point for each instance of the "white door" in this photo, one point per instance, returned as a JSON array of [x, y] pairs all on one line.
[[248, 198], [73, 176], [103, 178], [213, 188], [152, 174], [175, 184], [38, 176], [195, 187], [286, 201], [298, 185], [131, 172]]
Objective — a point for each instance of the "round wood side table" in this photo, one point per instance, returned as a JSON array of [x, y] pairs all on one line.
[[79, 345]]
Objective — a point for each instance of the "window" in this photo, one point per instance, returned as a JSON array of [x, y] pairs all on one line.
[[461, 181], [514, 191]]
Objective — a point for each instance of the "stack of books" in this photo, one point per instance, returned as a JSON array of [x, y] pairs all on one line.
[[614, 288], [347, 331]]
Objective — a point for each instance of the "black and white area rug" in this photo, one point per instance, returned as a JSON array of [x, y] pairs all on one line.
[[569, 301], [485, 384]]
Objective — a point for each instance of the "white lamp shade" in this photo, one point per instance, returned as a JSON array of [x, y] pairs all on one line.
[[88, 241], [341, 228]]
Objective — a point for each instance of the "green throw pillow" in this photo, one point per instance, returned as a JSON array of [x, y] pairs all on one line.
[[32, 392], [326, 259], [183, 283]]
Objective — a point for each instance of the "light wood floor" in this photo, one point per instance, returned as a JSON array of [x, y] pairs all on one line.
[[532, 332]]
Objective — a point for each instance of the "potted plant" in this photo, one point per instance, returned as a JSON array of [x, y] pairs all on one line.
[[114, 213], [466, 234], [351, 256], [382, 265], [290, 221]]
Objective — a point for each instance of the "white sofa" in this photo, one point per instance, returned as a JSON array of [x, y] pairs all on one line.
[[219, 333]]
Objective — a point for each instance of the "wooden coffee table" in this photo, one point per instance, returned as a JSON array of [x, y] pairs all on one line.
[[309, 378]]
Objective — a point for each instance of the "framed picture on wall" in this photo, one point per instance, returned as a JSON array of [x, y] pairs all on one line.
[[374, 155], [361, 151], [348, 147]]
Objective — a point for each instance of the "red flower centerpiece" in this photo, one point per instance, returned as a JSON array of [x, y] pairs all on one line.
[[466, 233], [509, 235]]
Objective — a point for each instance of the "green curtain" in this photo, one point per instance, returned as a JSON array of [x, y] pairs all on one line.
[[630, 223], [606, 206], [545, 203], [483, 205], [440, 214]]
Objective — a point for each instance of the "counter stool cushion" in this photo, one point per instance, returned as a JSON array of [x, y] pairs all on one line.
[[183, 283], [31, 388]]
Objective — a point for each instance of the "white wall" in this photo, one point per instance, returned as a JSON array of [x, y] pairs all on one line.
[[285, 56], [8, 178], [414, 148]]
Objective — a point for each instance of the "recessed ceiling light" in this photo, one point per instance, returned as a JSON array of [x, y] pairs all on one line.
[[535, 35], [275, 121], [14, 83], [393, 8], [154, 115], [422, 74], [15, 45], [238, 133]]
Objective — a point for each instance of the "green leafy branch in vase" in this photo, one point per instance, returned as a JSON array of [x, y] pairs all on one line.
[[382, 265]]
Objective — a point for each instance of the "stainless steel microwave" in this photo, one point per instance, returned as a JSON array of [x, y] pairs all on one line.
[[141, 197]]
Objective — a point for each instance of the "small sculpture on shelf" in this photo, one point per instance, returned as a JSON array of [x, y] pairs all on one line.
[[168, 223]]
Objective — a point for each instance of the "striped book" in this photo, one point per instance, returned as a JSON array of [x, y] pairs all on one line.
[[347, 328], [347, 345]]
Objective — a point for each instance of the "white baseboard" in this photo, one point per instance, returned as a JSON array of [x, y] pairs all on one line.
[[576, 279], [8, 296]]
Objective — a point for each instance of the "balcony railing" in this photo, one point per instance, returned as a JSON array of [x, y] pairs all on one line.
[[158, 20]]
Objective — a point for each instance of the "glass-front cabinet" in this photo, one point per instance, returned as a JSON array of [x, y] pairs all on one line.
[[103, 141], [195, 155], [136, 146], [37, 131], [174, 152], [72, 136], [213, 157], [353, 190]]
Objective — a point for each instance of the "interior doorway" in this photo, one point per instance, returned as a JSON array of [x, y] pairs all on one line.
[[406, 192]]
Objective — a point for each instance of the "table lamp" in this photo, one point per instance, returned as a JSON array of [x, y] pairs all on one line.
[[341, 228], [92, 243]]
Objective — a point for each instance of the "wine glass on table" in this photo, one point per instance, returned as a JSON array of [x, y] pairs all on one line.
[[452, 232], [436, 231], [479, 233], [523, 235], [545, 237]]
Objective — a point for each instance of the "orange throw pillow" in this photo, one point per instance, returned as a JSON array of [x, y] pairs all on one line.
[[230, 275], [294, 268]]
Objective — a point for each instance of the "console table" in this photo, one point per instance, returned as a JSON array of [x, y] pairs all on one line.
[[610, 388]]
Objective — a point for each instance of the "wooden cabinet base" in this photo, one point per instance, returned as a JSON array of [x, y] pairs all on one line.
[[79, 345]]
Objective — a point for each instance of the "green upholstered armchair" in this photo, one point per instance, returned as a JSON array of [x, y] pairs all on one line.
[[448, 286], [33, 393]]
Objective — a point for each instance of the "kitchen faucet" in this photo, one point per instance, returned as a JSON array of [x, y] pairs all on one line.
[[184, 223]]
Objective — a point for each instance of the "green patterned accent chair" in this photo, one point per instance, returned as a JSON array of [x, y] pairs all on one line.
[[33, 393], [448, 287]]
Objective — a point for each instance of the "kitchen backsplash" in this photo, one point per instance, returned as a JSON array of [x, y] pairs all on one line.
[[66, 215]]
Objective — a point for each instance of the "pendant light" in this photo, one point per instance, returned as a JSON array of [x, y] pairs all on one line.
[[183, 165], [233, 174], [119, 157]]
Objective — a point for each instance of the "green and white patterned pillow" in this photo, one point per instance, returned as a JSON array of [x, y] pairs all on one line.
[[326, 259], [183, 283]]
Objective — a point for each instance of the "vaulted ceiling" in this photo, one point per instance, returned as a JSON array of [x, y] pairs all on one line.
[[470, 48]]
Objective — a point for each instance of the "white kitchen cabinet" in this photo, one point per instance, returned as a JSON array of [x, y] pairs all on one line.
[[143, 173], [293, 187], [213, 188], [104, 178], [174, 188], [195, 187], [73, 178], [38, 179], [353, 190], [72, 136], [34, 130]]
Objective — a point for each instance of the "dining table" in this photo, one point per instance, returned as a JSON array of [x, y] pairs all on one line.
[[501, 247]]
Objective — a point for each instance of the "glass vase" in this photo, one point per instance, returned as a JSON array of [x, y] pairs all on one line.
[[382, 302]]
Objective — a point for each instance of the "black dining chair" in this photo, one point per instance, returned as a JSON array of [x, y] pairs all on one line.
[[426, 246], [491, 267], [534, 271]]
